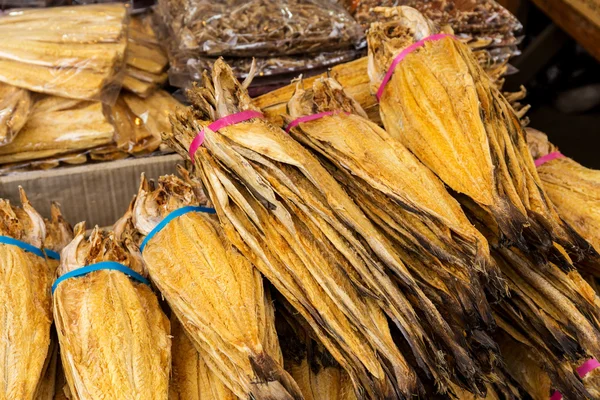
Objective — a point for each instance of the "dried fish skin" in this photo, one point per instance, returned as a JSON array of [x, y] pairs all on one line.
[[191, 378], [26, 315], [227, 324], [15, 105], [103, 310]]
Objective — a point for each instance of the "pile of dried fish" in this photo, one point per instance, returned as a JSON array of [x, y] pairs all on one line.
[[573, 188], [75, 52], [59, 126], [213, 289], [15, 105], [113, 335], [26, 312], [465, 131], [288, 214], [145, 58]]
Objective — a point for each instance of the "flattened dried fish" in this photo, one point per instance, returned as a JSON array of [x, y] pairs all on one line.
[[15, 105]]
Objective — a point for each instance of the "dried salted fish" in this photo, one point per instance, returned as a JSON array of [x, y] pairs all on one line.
[[15, 105], [59, 126], [228, 325], [573, 188], [26, 314], [315, 244], [74, 52], [107, 322], [439, 103], [191, 377]]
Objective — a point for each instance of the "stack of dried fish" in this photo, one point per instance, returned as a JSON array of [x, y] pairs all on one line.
[[214, 291], [573, 188], [114, 338], [15, 105], [146, 60], [465, 131], [58, 126], [287, 213], [75, 52], [26, 312], [315, 32]]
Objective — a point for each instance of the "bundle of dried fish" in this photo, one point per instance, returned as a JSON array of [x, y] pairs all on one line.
[[400, 195], [259, 27], [297, 224], [190, 257], [145, 58], [75, 52], [15, 105], [114, 338], [59, 126], [191, 378], [437, 101], [573, 188], [26, 312]]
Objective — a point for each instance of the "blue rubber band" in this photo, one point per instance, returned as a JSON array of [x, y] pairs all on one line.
[[171, 216], [25, 246], [104, 265], [53, 255]]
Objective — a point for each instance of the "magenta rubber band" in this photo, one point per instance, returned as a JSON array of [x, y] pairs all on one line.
[[312, 117], [587, 366], [548, 157], [403, 54], [222, 123]]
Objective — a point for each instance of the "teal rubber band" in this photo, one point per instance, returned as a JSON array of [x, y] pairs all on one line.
[[171, 216], [104, 265], [52, 254], [25, 246]]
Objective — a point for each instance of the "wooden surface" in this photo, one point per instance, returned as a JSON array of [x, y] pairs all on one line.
[[579, 18]]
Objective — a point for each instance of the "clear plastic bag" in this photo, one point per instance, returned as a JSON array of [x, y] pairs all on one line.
[[15, 105], [76, 52], [146, 60], [257, 28]]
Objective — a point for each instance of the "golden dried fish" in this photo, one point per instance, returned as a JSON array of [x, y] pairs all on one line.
[[26, 314], [73, 52], [107, 322], [15, 105], [215, 291], [442, 106], [59, 126], [287, 200]]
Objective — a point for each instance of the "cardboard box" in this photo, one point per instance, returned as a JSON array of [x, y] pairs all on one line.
[[96, 193]]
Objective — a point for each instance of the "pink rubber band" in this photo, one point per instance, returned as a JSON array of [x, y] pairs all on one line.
[[403, 54], [588, 367], [548, 157], [312, 117], [222, 123], [585, 368]]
